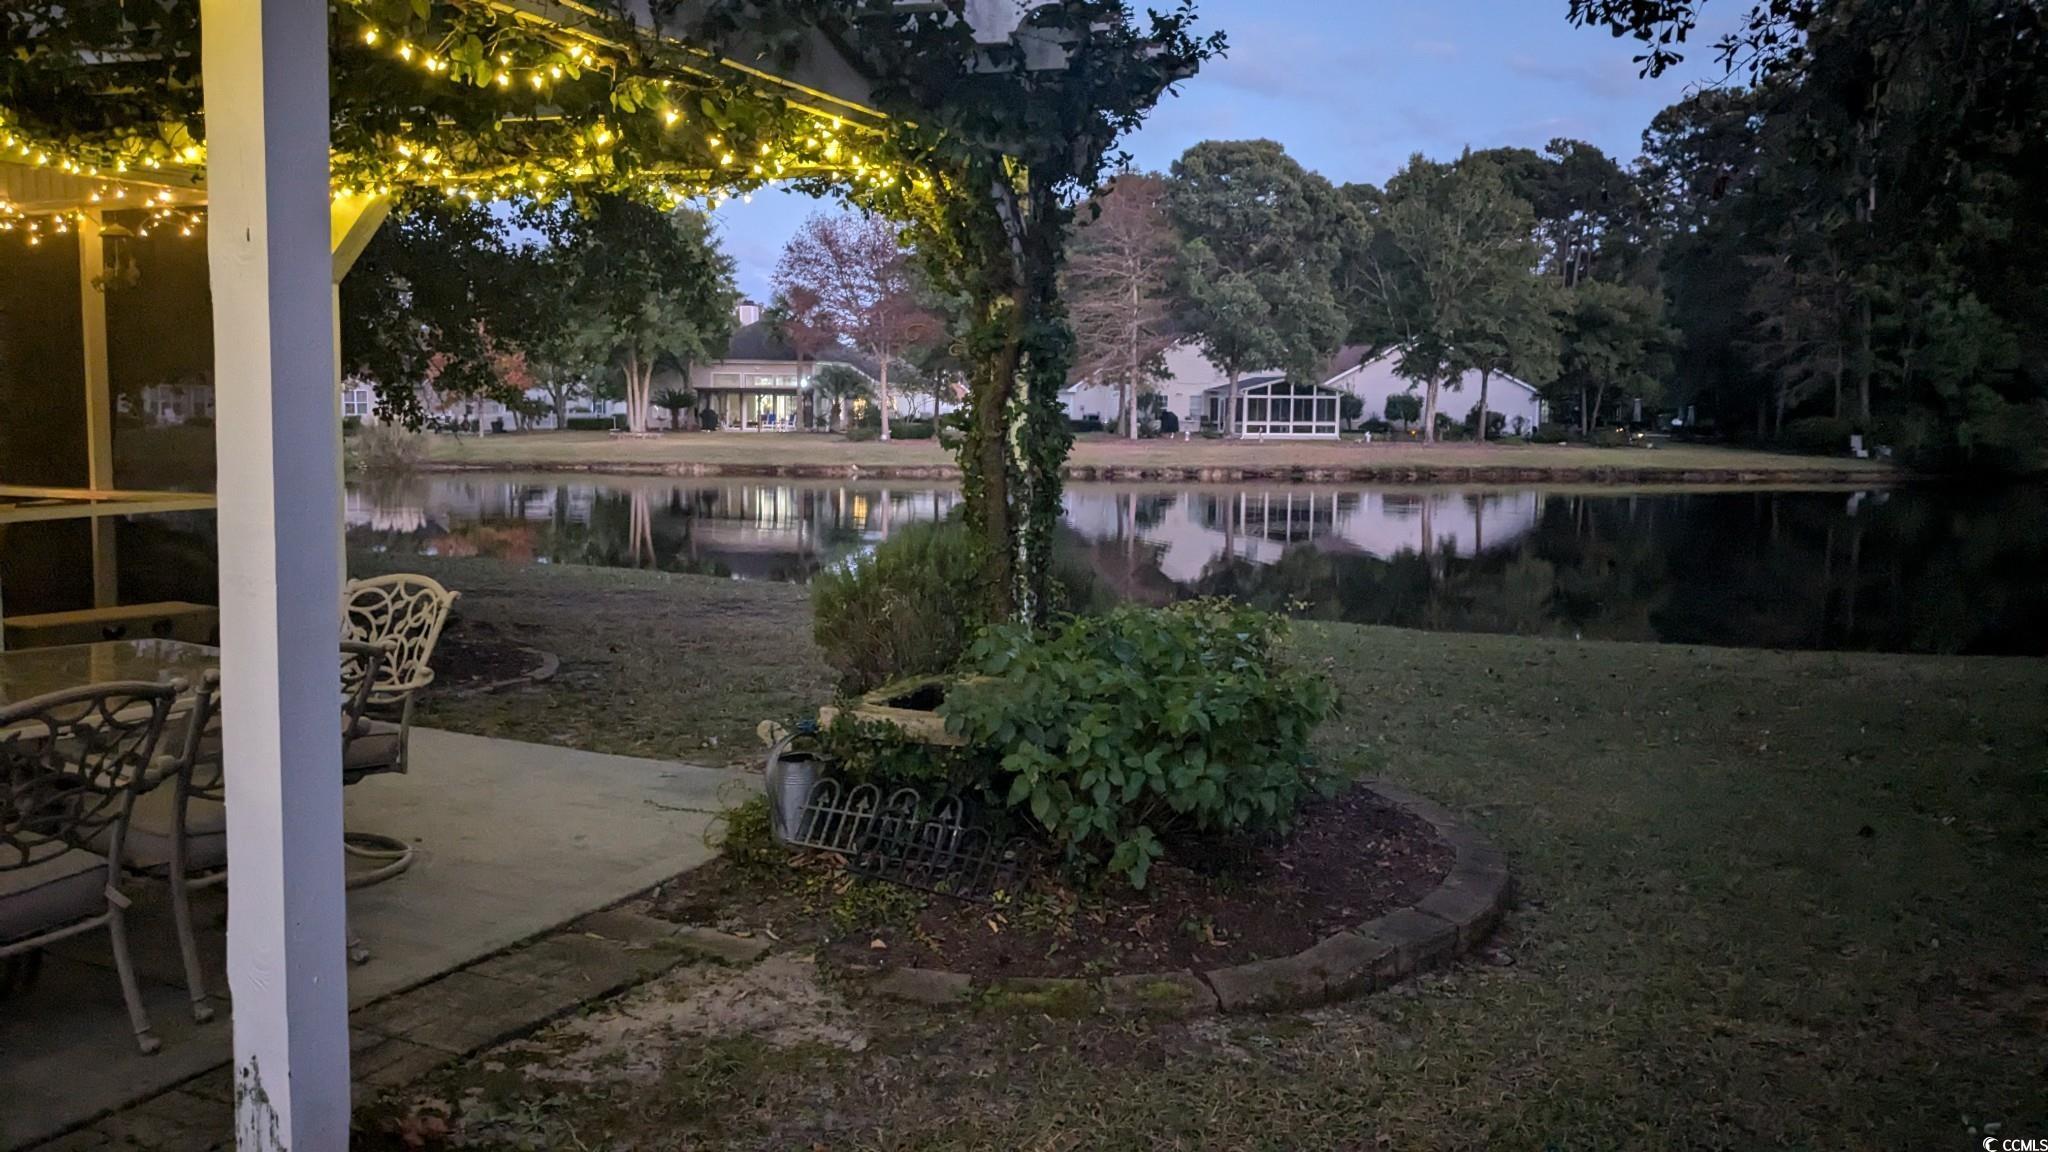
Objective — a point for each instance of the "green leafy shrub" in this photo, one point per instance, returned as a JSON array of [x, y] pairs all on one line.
[[904, 609], [1550, 434], [1086, 424], [1819, 435], [872, 752], [1611, 438], [911, 430], [1118, 733], [744, 835], [388, 448], [593, 423], [862, 433]]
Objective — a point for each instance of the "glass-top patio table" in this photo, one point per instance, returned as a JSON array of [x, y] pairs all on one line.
[[37, 671]]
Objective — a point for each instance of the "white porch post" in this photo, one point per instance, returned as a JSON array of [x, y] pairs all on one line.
[[267, 234]]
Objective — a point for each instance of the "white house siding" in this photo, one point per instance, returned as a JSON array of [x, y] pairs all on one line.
[[1188, 375], [1375, 380]]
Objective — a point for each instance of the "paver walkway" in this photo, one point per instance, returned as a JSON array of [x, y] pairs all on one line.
[[515, 840]]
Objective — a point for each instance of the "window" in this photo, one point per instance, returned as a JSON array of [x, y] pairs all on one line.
[[1279, 408], [1195, 406], [725, 380]]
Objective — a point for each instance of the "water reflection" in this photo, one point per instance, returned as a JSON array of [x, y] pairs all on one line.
[[1918, 570]]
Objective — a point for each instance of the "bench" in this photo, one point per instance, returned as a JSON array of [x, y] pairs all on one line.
[[164, 620]]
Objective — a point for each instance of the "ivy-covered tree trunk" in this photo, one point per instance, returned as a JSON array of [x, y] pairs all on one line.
[[1018, 352]]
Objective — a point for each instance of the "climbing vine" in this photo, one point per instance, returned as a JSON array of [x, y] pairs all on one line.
[[988, 139], [1006, 134]]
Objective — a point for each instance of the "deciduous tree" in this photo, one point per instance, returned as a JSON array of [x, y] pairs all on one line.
[[1451, 248], [1261, 241], [646, 285], [865, 287], [1119, 287]]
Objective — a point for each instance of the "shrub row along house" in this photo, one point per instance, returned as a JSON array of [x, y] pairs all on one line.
[[1272, 407]]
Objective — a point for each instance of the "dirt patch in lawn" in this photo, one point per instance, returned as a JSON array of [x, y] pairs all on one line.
[[474, 655], [1349, 859]]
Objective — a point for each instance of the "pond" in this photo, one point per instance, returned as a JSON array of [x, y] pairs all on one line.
[[1912, 570]]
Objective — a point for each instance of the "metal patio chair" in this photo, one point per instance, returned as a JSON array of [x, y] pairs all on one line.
[[72, 765], [178, 832], [404, 615]]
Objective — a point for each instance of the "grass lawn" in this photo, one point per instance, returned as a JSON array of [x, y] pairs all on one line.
[[1767, 900], [767, 451]]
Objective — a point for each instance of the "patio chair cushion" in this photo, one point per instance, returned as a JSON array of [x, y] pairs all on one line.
[[51, 893], [374, 748], [150, 826]]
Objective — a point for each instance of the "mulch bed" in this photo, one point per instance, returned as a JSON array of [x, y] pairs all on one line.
[[472, 655], [1349, 859]]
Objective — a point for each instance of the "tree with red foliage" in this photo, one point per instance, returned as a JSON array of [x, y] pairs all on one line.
[[866, 290]]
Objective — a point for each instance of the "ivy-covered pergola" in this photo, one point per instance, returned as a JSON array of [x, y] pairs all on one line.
[[295, 124]]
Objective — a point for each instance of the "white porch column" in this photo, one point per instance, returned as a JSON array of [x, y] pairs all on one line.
[[267, 235]]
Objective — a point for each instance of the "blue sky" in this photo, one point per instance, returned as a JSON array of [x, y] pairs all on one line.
[[1352, 88]]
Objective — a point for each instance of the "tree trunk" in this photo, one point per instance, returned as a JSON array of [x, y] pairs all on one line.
[[1131, 375], [1585, 416], [1839, 372], [1485, 376], [1864, 358], [887, 399], [1429, 398], [1229, 421]]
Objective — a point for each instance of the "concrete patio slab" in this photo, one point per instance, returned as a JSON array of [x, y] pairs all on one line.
[[514, 840]]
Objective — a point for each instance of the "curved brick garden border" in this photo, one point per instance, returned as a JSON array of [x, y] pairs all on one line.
[[1381, 952]]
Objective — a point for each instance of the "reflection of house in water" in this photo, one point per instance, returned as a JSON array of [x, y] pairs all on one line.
[[1192, 529], [768, 530]]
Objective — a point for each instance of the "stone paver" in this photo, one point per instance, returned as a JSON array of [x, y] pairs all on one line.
[[1470, 904], [1350, 964], [1158, 994], [1265, 985], [923, 986], [719, 946], [1418, 941]]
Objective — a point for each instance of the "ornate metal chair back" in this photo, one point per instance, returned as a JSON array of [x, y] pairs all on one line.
[[200, 760], [403, 614], [361, 663], [71, 765]]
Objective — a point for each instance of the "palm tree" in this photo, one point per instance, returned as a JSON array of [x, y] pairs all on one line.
[[837, 385], [677, 401]]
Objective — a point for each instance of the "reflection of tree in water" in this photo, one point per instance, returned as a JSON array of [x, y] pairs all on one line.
[[1919, 570], [1915, 571]]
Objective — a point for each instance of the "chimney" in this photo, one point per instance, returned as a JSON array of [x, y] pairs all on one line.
[[749, 312]]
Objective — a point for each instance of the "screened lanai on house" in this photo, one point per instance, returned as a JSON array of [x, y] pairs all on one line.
[[1276, 408]]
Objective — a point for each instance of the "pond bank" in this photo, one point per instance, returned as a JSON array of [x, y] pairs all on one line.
[[818, 456], [1290, 474]]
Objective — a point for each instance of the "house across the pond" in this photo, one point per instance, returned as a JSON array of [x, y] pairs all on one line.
[[1271, 407], [1369, 375], [761, 384]]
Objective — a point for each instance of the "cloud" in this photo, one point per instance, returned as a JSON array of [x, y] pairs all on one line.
[[1606, 79], [1287, 63]]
